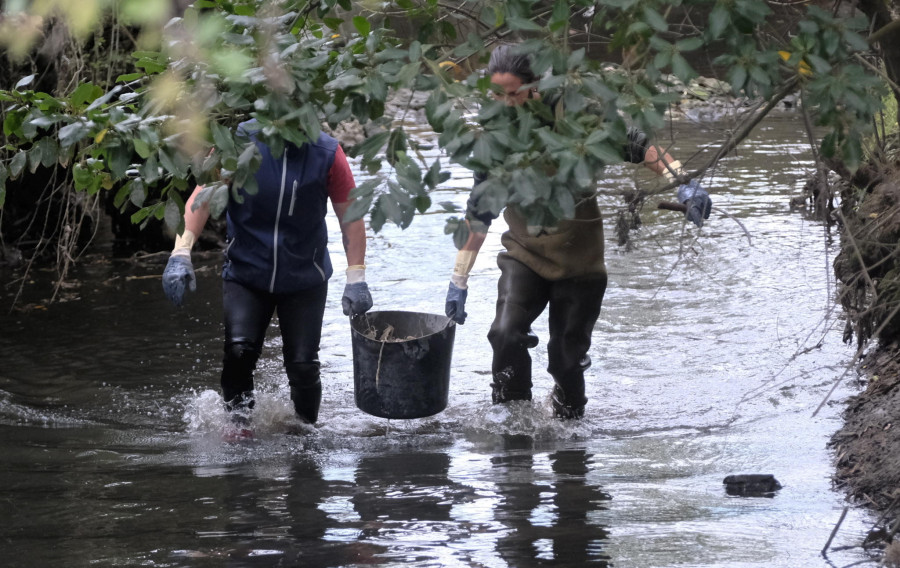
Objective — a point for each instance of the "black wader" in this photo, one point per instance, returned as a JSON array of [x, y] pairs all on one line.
[[247, 316], [574, 308]]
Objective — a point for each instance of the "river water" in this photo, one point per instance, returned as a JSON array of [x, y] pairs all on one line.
[[712, 351]]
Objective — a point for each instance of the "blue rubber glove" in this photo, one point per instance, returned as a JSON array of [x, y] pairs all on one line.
[[697, 201], [456, 303], [357, 299], [178, 275]]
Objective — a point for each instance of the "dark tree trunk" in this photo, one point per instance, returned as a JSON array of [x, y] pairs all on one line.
[[887, 35]]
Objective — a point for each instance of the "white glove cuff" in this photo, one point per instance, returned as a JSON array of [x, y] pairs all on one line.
[[356, 273], [461, 281], [673, 170], [184, 243]]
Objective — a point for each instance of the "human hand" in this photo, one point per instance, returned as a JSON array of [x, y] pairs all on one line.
[[697, 201], [356, 299], [178, 275], [456, 303]]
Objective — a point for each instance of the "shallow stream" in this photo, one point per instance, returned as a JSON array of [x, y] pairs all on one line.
[[712, 351]]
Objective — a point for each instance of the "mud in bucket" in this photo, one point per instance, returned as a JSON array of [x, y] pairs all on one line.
[[401, 363]]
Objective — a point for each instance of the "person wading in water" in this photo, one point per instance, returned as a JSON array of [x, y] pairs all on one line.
[[276, 259], [558, 266]]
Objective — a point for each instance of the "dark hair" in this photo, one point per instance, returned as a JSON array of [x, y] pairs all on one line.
[[504, 59]]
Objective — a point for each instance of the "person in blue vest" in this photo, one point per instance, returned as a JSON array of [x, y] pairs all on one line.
[[559, 266], [276, 259]]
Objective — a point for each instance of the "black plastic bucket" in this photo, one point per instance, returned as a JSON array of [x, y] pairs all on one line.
[[401, 363]]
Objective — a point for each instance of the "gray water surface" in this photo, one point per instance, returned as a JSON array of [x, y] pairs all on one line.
[[711, 353]]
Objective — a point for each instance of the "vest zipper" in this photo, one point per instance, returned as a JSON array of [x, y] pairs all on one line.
[[293, 199], [277, 222], [316, 264]]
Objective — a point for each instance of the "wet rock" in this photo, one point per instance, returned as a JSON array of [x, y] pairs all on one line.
[[751, 485]]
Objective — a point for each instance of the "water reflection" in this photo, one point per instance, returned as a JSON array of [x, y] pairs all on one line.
[[549, 520]]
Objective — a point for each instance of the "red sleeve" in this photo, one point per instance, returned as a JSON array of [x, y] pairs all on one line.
[[340, 178]]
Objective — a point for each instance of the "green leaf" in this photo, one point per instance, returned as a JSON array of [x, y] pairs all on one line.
[[141, 215], [173, 215], [17, 164], [247, 156], [489, 110], [24, 82], [49, 151], [219, 200], [583, 175], [655, 19], [362, 25], [12, 124], [415, 51], [357, 209], [124, 192], [852, 152], [172, 162], [370, 146], [142, 148], [85, 94], [576, 58], [129, 77], [682, 69], [82, 177], [345, 81], [118, 159], [460, 235], [481, 153], [422, 203], [396, 146], [73, 133], [435, 176], [604, 152], [150, 169], [719, 18], [819, 65], [689, 44], [333, 23], [222, 138], [309, 120], [662, 59], [3, 177], [522, 24], [738, 78], [34, 158]]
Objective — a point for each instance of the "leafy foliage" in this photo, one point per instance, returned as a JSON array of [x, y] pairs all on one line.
[[297, 66]]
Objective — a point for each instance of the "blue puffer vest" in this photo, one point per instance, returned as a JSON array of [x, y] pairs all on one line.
[[277, 239]]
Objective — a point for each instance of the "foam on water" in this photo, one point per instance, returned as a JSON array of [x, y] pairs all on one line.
[[13, 413]]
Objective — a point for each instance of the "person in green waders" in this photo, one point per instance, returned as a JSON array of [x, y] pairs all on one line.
[[276, 259], [560, 266]]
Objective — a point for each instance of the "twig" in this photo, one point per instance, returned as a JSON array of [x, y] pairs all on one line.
[[671, 206], [834, 532], [733, 218], [737, 137], [875, 333]]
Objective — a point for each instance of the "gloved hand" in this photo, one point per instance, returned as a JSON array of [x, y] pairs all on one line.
[[697, 201], [456, 303], [357, 299], [178, 275]]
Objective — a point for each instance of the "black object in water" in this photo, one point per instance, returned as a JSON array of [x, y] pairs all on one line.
[[751, 485]]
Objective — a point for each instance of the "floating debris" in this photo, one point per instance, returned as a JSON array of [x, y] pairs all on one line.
[[751, 485]]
